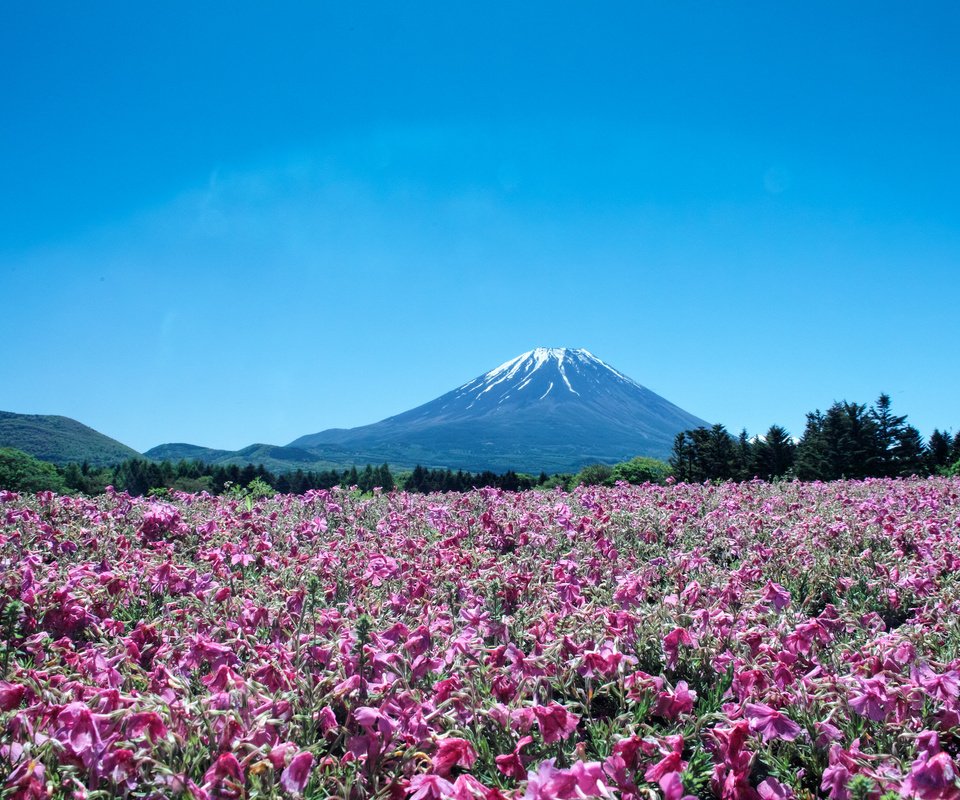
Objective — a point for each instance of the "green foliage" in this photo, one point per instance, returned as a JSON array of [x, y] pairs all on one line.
[[258, 488], [953, 471], [562, 480], [20, 472], [641, 470], [595, 475]]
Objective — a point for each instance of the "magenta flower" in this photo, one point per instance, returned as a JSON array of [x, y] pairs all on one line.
[[933, 775], [776, 595], [511, 764], [145, 722], [78, 728], [294, 778], [770, 723], [556, 723], [873, 701], [672, 642], [671, 704], [224, 780], [453, 752], [579, 781], [120, 767], [672, 787], [11, 694], [771, 789], [943, 687], [429, 787], [671, 762], [28, 779]]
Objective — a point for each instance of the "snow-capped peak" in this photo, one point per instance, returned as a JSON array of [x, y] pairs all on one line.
[[563, 368]]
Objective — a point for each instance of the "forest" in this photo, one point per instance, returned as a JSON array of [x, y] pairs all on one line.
[[849, 440]]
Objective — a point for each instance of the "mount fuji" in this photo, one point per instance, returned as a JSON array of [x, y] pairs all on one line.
[[553, 409]]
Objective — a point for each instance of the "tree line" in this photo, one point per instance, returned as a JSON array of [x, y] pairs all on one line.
[[849, 440], [21, 472]]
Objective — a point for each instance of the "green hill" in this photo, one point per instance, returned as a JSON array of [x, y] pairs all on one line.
[[60, 440], [274, 458], [179, 451]]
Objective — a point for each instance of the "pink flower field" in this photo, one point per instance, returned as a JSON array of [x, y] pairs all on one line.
[[752, 641]]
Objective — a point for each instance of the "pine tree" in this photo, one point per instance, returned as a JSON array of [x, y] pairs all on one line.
[[890, 427], [680, 457], [385, 478], [937, 455], [745, 457], [813, 452], [719, 454], [908, 452]]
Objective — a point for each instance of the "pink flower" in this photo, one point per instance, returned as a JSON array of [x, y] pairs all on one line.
[[933, 776], [943, 687], [148, 722], [11, 694], [429, 787], [771, 789], [466, 787], [672, 787], [672, 762], [28, 779], [770, 723], [510, 764], [453, 752], [604, 662], [671, 704], [579, 781], [224, 780], [872, 702], [371, 719], [79, 730], [120, 767], [776, 595], [672, 642], [294, 778], [556, 723]]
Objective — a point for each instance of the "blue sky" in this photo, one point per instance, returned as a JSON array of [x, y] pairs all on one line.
[[230, 224]]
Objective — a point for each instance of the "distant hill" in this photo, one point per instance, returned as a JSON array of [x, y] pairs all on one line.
[[60, 440], [179, 451], [553, 409], [273, 457]]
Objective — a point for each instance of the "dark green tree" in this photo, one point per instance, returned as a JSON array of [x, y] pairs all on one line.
[[908, 453], [889, 429], [774, 454], [719, 455], [681, 457], [937, 455], [744, 458]]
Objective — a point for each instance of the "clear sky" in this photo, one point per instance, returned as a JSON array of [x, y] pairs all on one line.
[[227, 223]]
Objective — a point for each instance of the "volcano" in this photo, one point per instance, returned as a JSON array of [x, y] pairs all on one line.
[[552, 409]]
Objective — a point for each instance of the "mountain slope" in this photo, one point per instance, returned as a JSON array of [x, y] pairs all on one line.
[[60, 440], [555, 409]]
